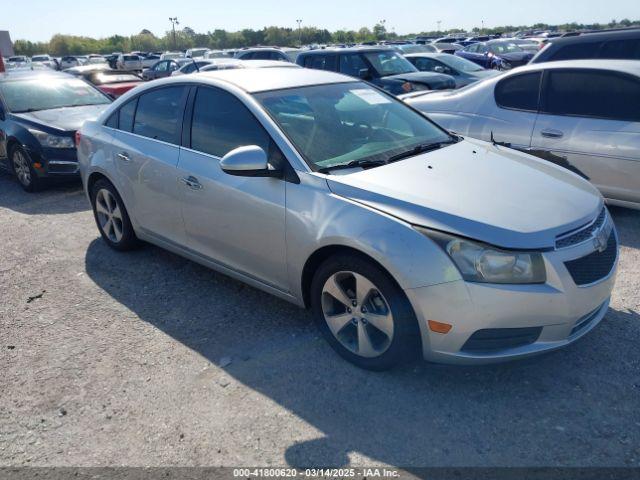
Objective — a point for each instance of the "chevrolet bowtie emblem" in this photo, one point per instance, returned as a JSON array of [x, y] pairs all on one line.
[[600, 240]]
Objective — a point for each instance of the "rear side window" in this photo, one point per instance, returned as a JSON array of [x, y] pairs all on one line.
[[519, 92], [221, 123], [321, 62], [159, 114], [576, 51], [589, 93], [126, 114], [628, 49]]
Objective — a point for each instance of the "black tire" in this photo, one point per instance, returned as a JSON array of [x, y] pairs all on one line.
[[128, 240], [31, 184], [405, 344]]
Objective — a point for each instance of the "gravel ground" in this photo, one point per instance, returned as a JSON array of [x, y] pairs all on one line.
[[145, 358]]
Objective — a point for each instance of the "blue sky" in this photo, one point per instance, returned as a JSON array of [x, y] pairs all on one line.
[[39, 19]]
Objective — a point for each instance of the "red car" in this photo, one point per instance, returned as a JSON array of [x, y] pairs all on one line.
[[112, 82]]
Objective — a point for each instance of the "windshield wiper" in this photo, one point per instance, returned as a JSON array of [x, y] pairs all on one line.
[[353, 164], [421, 148]]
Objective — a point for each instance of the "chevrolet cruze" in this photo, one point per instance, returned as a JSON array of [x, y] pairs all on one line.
[[332, 194]]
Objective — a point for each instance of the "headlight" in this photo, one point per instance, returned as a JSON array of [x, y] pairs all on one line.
[[482, 263], [419, 87], [52, 141]]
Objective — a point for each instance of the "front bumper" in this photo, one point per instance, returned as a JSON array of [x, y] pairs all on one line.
[[56, 163], [563, 311]]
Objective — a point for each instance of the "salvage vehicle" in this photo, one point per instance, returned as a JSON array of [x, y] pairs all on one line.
[[463, 71], [381, 66], [580, 114], [332, 194], [40, 112], [496, 54]]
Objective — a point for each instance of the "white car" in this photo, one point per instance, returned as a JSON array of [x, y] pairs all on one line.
[[150, 60], [129, 62], [196, 53], [45, 60], [171, 56], [69, 61], [583, 115]]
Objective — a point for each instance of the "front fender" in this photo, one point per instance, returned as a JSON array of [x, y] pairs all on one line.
[[317, 218]]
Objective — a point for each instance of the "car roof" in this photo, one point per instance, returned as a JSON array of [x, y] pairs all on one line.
[[27, 74], [358, 49], [253, 80], [626, 66], [588, 37]]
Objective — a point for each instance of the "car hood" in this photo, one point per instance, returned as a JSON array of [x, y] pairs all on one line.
[[481, 74], [419, 77], [66, 119], [477, 190]]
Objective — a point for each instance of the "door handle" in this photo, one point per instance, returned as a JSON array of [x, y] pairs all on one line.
[[552, 133], [192, 182], [124, 157]]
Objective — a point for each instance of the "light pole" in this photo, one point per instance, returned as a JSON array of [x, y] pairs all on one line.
[[439, 22], [384, 29], [174, 21], [299, 22], [482, 29]]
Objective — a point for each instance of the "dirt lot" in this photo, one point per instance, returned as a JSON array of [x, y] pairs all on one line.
[[148, 359]]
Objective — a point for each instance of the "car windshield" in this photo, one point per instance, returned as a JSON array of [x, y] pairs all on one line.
[[40, 59], [17, 59], [351, 122], [46, 93], [389, 63], [504, 48], [460, 64]]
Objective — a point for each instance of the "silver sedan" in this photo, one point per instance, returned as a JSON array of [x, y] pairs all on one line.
[[334, 195], [583, 115]]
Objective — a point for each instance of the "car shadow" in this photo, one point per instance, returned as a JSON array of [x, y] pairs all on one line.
[[627, 222], [543, 411], [57, 198]]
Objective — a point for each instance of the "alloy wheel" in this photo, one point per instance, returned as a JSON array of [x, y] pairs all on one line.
[[357, 314], [109, 215], [21, 168]]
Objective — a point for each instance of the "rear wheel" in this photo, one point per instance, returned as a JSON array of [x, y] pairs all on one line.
[[111, 217], [363, 314]]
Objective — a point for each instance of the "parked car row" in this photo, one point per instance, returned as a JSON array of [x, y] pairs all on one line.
[[383, 214]]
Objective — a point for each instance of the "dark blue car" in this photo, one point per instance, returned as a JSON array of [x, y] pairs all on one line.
[[496, 54], [381, 66], [40, 112]]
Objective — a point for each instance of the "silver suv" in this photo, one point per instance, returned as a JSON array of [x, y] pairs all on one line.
[[331, 194]]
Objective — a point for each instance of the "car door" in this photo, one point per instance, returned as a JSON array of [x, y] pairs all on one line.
[[590, 123], [509, 114], [146, 151], [238, 222]]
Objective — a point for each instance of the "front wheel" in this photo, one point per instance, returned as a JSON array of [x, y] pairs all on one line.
[[23, 170], [363, 314]]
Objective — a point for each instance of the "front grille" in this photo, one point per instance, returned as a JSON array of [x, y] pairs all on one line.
[[596, 265], [583, 233], [494, 339]]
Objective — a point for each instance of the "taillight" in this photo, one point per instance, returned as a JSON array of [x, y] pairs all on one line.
[[78, 138]]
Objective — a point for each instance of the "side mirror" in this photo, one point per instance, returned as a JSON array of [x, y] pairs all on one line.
[[364, 73], [248, 161]]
